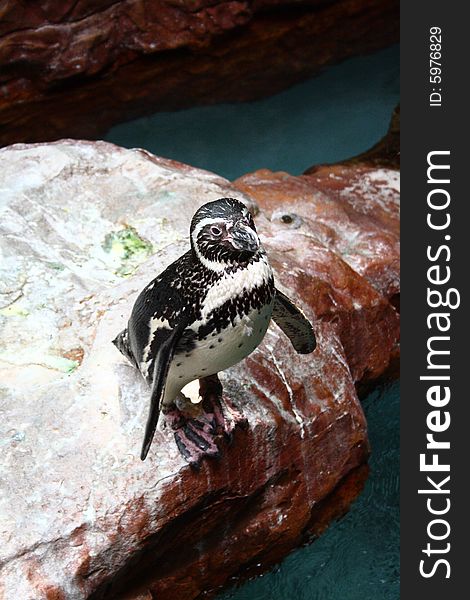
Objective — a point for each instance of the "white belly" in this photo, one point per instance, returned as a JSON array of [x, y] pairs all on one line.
[[218, 352]]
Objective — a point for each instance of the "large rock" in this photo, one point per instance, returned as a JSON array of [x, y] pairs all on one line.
[[76, 68], [83, 227], [344, 220]]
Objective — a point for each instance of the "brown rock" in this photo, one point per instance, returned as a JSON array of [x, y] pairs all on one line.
[[344, 221], [73, 69], [85, 226]]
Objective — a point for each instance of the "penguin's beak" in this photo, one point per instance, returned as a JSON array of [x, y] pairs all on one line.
[[243, 238]]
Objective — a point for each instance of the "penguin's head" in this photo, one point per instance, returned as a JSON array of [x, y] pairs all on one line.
[[223, 233]]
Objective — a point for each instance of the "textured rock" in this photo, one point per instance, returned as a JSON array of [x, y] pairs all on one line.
[[384, 158], [116, 60], [83, 227], [337, 217]]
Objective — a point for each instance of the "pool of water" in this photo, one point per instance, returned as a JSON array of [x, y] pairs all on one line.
[[336, 115]]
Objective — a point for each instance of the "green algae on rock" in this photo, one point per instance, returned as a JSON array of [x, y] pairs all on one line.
[[127, 249]]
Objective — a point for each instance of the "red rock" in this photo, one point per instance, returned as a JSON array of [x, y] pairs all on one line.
[[119, 60], [338, 228]]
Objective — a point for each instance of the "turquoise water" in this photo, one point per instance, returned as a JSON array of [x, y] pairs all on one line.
[[339, 114]]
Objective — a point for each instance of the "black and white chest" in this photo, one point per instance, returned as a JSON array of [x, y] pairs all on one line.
[[232, 317]]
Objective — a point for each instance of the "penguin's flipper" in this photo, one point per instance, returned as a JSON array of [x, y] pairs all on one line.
[[294, 324], [121, 341], [163, 358]]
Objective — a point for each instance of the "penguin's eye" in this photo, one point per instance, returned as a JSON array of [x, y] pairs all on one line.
[[216, 231]]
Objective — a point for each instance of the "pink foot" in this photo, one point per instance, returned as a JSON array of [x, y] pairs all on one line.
[[196, 436], [226, 416]]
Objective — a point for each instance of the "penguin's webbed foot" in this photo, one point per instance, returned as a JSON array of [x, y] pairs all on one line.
[[198, 428], [226, 416], [195, 432], [195, 440]]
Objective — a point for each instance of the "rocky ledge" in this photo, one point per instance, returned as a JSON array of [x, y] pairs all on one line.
[[83, 227], [119, 59]]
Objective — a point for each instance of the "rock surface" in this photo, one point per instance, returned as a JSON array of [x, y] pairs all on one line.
[[347, 218], [83, 227], [117, 60]]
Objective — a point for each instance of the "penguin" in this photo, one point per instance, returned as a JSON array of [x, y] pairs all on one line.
[[204, 313]]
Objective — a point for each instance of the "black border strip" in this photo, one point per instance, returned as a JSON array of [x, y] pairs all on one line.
[[429, 128]]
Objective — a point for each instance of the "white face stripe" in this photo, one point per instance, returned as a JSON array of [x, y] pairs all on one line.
[[213, 265], [203, 223]]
